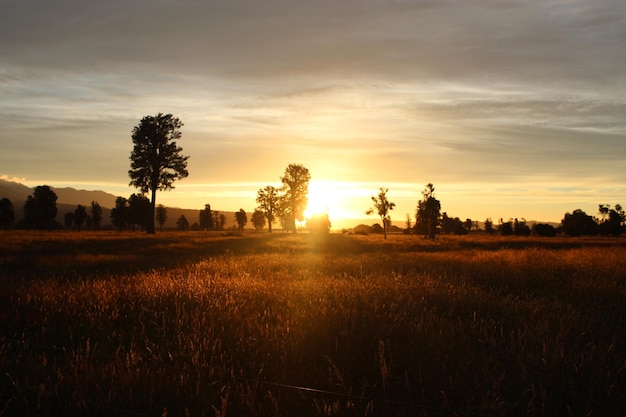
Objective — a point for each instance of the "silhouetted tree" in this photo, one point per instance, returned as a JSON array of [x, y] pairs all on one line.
[[296, 191], [544, 230], [216, 220], [382, 207], [451, 225], [182, 224], [205, 218], [489, 226], [96, 215], [241, 218], [156, 159], [269, 201], [428, 213], [80, 215], [161, 215], [222, 221], [612, 220], [68, 220], [505, 228], [40, 208], [520, 228], [140, 211], [258, 220], [319, 223], [7, 214], [120, 215], [579, 223]]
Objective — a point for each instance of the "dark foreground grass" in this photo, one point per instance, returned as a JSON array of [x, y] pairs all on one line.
[[263, 325]]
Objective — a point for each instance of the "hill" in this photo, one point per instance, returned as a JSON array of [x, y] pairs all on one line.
[[68, 198]]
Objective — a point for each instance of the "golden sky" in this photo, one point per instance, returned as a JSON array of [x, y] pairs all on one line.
[[511, 108]]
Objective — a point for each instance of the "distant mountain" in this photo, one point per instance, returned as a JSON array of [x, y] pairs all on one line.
[[69, 198]]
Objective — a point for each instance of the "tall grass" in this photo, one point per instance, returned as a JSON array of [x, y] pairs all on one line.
[[258, 325]]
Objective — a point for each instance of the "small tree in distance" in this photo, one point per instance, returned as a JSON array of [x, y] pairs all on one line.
[[7, 215], [258, 220], [96, 215], [269, 201], [428, 213], [156, 159], [382, 207], [161, 215], [80, 215], [241, 218]]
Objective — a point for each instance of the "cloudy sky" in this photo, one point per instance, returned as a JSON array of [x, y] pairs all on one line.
[[511, 108]]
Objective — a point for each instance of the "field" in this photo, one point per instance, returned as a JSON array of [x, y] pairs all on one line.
[[201, 324]]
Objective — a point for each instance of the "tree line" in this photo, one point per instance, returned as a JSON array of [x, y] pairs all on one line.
[[157, 162]]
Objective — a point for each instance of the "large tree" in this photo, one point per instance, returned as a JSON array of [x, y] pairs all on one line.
[[269, 200], [382, 207], [40, 209], [296, 191], [428, 213], [156, 158]]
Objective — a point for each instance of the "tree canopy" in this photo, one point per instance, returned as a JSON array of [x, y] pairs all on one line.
[[156, 158]]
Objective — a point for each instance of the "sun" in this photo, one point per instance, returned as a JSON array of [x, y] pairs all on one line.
[[323, 198]]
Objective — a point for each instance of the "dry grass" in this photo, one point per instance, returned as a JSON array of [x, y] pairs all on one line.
[[200, 324]]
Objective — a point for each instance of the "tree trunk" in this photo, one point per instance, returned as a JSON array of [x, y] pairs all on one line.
[[150, 229]]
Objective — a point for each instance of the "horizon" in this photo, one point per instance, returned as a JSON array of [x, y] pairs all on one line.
[[344, 218], [511, 109]]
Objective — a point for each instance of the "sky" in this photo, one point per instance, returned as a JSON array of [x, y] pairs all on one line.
[[512, 109]]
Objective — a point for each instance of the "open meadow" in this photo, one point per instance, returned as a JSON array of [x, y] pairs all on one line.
[[203, 324]]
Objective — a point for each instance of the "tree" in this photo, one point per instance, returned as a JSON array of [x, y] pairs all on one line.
[[489, 226], [520, 228], [612, 220], [68, 219], [182, 224], [161, 215], [382, 207], [140, 211], [269, 201], [428, 213], [206, 218], [579, 223], [544, 230], [40, 209], [80, 215], [7, 215], [120, 213], [319, 223], [96, 215], [156, 159], [216, 220], [258, 220], [505, 228], [241, 218], [296, 190]]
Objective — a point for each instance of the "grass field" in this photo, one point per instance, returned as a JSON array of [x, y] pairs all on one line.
[[202, 324]]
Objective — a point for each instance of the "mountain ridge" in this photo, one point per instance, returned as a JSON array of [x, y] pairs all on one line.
[[68, 198]]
